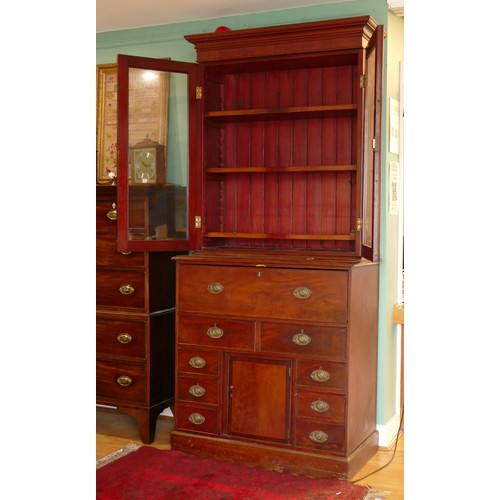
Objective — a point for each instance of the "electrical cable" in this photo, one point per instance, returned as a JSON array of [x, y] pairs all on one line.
[[393, 453]]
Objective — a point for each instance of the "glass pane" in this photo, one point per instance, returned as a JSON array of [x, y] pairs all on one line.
[[158, 155], [367, 227]]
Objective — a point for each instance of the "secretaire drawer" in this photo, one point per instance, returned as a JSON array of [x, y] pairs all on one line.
[[196, 419], [120, 289], [264, 292], [198, 390], [321, 406], [107, 254], [223, 333], [121, 381], [119, 337], [307, 340], [320, 375], [197, 361], [319, 435]]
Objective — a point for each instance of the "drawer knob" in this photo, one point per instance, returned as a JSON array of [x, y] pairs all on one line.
[[318, 437], [124, 380], [302, 292], [124, 338], [126, 289], [196, 418], [214, 332], [197, 391], [320, 406], [197, 362], [112, 214], [301, 338], [320, 375], [215, 288]]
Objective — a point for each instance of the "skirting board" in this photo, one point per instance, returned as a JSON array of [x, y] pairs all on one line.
[[388, 432]]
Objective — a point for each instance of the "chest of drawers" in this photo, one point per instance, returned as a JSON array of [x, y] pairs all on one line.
[[135, 323], [276, 364]]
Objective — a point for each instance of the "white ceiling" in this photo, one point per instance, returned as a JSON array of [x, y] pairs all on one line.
[[112, 15]]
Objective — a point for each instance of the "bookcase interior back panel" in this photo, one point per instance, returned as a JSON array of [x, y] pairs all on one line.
[[281, 156]]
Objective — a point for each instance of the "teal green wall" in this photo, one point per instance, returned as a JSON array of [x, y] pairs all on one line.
[[168, 41]]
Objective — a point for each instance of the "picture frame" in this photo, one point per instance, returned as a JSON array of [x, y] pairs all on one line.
[[148, 115]]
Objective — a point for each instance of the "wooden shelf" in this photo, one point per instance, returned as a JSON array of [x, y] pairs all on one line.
[[329, 237], [277, 170], [287, 113]]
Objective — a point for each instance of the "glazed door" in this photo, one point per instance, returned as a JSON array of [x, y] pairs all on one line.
[[371, 141], [158, 154], [259, 399]]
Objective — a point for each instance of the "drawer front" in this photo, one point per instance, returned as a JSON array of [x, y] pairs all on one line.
[[199, 362], [320, 406], [107, 254], [198, 390], [264, 292], [121, 381], [321, 375], [316, 435], [105, 213], [124, 289], [220, 334], [192, 418], [117, 337], [307, 340]]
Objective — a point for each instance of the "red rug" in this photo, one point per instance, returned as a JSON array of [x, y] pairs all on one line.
[[146, 473]]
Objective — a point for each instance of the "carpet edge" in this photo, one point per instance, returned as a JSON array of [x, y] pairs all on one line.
[[126, 450], [372, 494]]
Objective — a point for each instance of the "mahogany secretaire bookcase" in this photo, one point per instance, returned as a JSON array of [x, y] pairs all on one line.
[[278, 209]]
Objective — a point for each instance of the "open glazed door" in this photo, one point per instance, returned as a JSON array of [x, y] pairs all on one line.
[[158, 154], [370, 244]]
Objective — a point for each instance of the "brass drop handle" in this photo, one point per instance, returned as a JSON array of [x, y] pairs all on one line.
[[124, 338], [196, 418], [215, 288], [301, 338], [214, 332], [125, 253], [127, 289], [320, 406], [197, 362], [318, 437], [302, 293], [112, 214], [197, 391], [124, 380], [320, 375]]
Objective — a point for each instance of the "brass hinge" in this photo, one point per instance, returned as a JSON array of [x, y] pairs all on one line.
[[362, 82], [359, 224], [376, 144], [197, 221], [199, 93]]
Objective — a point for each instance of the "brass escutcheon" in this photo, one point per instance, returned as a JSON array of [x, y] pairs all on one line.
[[215, 288], [112, 214], [126, 289], [214, 332], [124, 380], [124, 338], [320, 375], [302, 292], [320, 406], [196, 418], [197, 362], [301, 338], [318, 436], [197, 391]]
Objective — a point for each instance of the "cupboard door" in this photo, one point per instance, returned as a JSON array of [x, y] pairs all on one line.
[[259, 398]]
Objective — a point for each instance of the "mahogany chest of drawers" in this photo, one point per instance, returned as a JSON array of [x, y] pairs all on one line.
[[280, 357], [135, 324]]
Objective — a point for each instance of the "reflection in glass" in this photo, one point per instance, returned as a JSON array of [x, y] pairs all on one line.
[[158, 155]]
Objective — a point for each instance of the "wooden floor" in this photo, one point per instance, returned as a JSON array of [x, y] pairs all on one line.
[[114, 431]]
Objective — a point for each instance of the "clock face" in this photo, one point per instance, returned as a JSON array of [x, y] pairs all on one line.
[[145, 165]]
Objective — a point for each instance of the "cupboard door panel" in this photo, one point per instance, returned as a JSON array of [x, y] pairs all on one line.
[[259, 403]]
